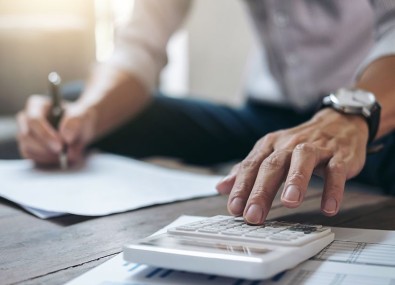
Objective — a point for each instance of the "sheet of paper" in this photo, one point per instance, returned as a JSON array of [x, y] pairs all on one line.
[[105, 184], [357, 256], [41, 213]]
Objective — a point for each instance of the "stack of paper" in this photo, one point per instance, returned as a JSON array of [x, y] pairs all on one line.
[[105, 184]]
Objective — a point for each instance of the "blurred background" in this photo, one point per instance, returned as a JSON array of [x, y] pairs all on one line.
[[207, 55]]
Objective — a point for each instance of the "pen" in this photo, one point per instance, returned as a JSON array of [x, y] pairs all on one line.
[[56, 112]]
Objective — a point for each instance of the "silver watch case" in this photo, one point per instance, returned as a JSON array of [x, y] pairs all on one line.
[[351, 101]]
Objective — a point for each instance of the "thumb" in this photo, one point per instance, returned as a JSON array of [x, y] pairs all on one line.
[[78, 124], [71, 129]]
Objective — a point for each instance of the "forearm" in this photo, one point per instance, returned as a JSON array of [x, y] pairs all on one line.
[[115, 96], [378, 78]]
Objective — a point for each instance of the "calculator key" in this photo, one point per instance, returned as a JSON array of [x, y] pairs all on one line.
[[235, 233], [282, 238], [186, 228], [209, 230], [257, 234]]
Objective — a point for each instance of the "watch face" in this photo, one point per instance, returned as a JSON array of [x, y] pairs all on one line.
[[353, 98]]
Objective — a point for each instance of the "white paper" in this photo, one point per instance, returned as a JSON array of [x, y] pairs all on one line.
[[105, 184], [42, 213], [341, 263]]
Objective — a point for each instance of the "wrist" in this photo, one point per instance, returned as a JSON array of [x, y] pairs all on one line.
[[356, 102], [356, 122]]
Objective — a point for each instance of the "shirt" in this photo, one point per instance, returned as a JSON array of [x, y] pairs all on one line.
[[307, 48]]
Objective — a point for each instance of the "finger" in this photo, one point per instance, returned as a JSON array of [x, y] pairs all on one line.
[[305, 158], [38, 125], [37, 106], [225, 185], [71, 130], [335, 180], [44, 133], [270, 176], [22, 123], [32, 149], [246, 175], [78, 125]]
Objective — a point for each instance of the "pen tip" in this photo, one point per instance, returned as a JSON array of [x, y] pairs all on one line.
[[64, 164]]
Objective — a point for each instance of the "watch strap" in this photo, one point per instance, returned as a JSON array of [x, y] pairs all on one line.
[[374, 122]]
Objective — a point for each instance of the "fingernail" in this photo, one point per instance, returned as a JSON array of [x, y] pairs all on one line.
[[236, 206], [254, 214], [292, 194], [330, 206], [55, 146]]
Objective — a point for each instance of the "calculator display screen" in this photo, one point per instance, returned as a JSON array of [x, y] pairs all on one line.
[[227, 247]]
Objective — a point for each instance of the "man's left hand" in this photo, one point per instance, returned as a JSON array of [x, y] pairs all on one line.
[[331, 145]]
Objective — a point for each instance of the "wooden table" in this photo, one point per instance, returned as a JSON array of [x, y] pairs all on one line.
[[34, 251]]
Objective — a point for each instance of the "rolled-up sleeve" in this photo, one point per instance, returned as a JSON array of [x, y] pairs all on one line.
[[140, 45], [384, 11]]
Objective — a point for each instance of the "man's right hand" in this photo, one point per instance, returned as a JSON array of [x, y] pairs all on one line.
[[39, 141]]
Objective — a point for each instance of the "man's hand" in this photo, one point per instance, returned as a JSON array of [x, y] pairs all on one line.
[[39, 141], [331, 145]]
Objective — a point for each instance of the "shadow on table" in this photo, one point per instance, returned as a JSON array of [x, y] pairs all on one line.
[[65, 220], [9, 150]]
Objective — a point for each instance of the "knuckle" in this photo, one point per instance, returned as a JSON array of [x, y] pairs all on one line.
[[305, 147], [297, 177], [250, 163], [260, 192], [241, 188], [273, 162], [269, 138], [336, 187], [337, 166], [262, 197], [257, 146]]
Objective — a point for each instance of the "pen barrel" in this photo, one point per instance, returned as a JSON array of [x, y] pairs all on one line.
[[55, 116], [56, 111], [54, 93]]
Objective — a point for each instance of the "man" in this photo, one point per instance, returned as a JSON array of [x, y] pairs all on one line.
[[312, 48]]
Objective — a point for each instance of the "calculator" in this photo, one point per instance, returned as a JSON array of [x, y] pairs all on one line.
[[227, 246]]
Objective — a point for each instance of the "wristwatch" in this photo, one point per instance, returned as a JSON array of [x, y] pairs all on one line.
[[356, 102]]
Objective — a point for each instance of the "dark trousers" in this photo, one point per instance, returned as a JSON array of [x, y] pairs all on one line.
[[204, 133]]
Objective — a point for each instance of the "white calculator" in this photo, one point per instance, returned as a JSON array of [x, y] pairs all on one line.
[[225, 245]]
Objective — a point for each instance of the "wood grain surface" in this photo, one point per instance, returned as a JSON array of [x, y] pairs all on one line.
[[35, 251]]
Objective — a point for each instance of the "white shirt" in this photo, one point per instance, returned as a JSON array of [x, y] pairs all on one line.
[[308, 47]]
